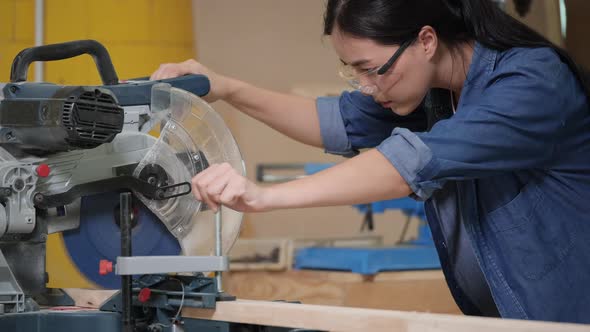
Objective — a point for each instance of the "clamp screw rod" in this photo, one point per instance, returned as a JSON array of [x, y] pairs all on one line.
[[218, 247]]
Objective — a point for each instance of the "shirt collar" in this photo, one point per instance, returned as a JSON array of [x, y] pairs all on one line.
[[482, 63]]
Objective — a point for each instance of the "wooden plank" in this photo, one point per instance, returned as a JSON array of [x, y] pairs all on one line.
[[89, 298], [357, 241], [424, 291], [412, 275], [342, 319], [287, 286]]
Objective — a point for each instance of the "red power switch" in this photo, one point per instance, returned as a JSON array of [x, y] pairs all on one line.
[[105, 267], [43, 170], [144, 295]]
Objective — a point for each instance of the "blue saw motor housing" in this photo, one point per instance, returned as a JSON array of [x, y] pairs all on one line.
[[99, 237]]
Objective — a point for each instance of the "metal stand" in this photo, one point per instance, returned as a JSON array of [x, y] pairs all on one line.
[[126, 286], [218, 247], [155, 291]]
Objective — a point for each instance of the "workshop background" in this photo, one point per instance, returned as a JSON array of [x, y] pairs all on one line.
[[273, 44]]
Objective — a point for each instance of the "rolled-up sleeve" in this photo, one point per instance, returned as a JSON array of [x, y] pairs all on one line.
[[409, 155], [332, 128], [353, 121]]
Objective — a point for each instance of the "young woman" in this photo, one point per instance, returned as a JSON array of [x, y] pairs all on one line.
[[462, 107]]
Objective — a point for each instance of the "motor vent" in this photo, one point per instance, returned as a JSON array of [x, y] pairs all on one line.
[[91, 118]]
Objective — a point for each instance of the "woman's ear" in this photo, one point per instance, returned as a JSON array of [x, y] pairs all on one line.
[[427, 41]]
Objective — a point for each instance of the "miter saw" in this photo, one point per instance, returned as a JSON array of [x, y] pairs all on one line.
[[115, 160]]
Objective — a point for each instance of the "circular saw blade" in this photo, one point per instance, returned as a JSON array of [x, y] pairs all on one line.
[[192, 137], [99, 236]]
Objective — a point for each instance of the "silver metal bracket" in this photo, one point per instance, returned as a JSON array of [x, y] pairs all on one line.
[[170, 264]]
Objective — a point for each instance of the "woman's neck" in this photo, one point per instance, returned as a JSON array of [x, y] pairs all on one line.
[[453, 67]]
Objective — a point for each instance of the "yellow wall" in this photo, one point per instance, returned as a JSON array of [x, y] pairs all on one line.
[[139, 35], [16, 32]]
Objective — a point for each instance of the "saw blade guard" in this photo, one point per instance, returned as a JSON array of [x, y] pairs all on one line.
[[192, 137]]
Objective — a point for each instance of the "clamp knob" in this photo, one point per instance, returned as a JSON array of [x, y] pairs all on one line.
[[105, 267], [144, 295]]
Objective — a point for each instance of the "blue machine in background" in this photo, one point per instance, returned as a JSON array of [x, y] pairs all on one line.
[[416, 254]]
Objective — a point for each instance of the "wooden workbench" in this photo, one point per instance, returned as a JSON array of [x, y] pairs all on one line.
[[332, 318], [411, 291]]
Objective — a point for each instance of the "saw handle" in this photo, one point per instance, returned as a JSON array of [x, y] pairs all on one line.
[[22, 61]]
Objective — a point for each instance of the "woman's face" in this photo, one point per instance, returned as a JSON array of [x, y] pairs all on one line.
[[400, 88]]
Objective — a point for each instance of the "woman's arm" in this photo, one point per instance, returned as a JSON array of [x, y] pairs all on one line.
[[365, 178], [291, 115], [294, 116]]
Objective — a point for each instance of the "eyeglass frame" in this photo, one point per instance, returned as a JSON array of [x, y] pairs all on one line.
[[382, 69]]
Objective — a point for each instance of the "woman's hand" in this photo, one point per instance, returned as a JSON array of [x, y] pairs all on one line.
[[219, 83], [220, 184]]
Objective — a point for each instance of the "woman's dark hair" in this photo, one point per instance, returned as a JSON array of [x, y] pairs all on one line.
[[392, 22]]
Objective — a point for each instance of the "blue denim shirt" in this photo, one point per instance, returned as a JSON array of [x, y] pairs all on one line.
[[506, 180]]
